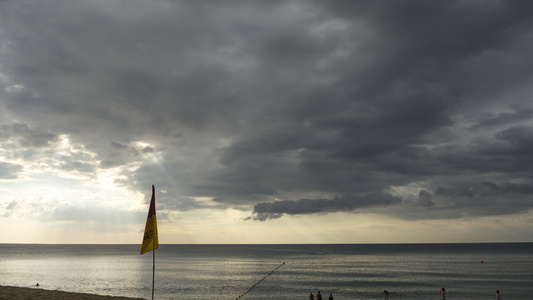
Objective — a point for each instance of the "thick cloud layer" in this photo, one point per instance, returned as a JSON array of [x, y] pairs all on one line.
[[265, 211], [277, 107]]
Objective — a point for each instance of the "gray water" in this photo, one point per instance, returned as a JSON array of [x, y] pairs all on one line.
[[407, 271]]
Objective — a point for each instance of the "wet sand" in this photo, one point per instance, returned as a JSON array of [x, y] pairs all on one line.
[[19, 293]]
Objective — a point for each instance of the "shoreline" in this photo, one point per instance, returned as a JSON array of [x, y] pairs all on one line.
[[23, 293]]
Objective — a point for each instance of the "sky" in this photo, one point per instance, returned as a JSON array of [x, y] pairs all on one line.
[[266, 121]]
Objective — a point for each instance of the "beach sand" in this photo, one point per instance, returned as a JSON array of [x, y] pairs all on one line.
[[19, 293]]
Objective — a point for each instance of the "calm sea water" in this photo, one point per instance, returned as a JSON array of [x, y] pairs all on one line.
[[407, 271]]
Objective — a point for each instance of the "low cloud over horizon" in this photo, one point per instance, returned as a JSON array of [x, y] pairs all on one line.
[[265, 111]]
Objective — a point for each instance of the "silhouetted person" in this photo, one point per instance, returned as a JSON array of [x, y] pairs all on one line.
[[498, 297], [443, 294]]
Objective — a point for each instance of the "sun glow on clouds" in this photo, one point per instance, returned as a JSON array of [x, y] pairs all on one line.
[[70, 197]]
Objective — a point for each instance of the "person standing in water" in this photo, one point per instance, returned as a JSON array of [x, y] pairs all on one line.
[[311, 296], [318, 296], [498, 296], [443, 294]]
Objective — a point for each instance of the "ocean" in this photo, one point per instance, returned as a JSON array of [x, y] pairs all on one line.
[[247, 272]]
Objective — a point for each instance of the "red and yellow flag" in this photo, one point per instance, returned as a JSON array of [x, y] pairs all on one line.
[[150, 240]]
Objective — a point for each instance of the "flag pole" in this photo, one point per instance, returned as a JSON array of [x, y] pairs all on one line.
[[153, 271], [150, 239]]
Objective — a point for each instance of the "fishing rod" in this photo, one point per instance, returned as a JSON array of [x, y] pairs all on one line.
[[242, 295]]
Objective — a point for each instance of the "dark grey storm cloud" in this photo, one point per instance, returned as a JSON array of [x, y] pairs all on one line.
[[263, 211], [245, 102], [485, 198]]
